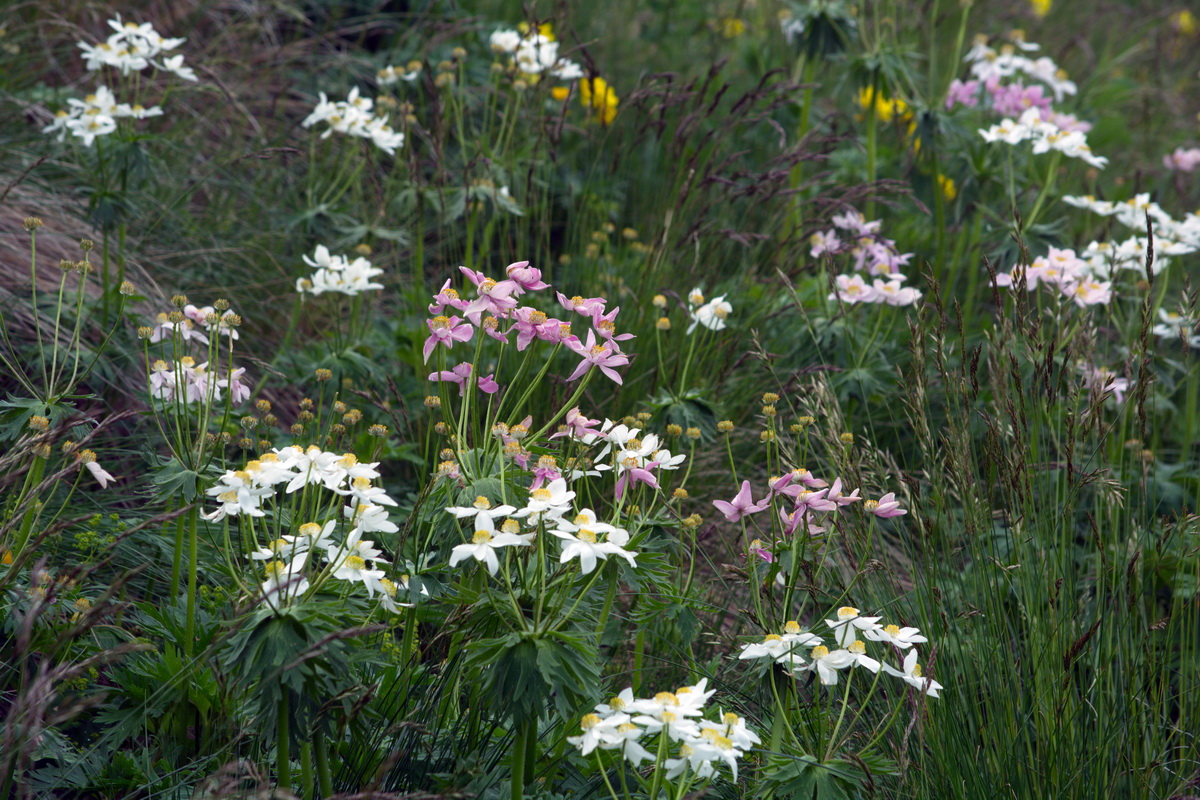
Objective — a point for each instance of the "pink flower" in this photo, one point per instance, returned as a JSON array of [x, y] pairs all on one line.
[[631, 473], [807, 501], [446, 297], [605, 356], [822, 243], [530, 324], [239, 392], [884, 507], [1182, 160], [742, 505], [605, 325], [966, 94], [835, 494], [459, 375], [578, 426], [488, 385], [777, 485], [587, 306], [495, 297], [447, 331], [526, 277]]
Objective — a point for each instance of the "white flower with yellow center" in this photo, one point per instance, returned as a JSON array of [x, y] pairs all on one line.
[[912, 675], [550, 501], [849, 621], [370, 518], [285, 581], [903, 638], [481, 509], [354, 568], [826, 663], [484, 543]]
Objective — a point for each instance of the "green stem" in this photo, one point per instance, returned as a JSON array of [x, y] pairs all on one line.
[[193, 568], [517, 789], [321, 756], [283, 764]]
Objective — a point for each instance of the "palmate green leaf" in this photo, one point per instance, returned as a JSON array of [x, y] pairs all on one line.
[[526, 672]]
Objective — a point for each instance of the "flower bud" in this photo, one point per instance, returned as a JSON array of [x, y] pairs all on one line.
[[323, 374], [629, 233], [769, 412], [770, 398], [263, 405], [270, 420], [337, 429], [693, 433], [659, 301], [179, 300], [674, 430], [378, 430], [31, 224], [39, 423], [440, 429], [249, 421], [352, 417], [86, 245], [847, 438], [680, 494], [42, 450], [145, 332], [306, 403], [766, 436], [725, 426], [297, 429], [433, 401], [221, 304], [363, 249], [127, 289], [66, 265]]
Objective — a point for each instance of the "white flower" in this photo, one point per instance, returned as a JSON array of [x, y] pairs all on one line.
[[550, 501], [912, 675], [484, 543], [826, 662], [175, 65], [482, 509], [353, 568], [711, 315], [285, 581], [505, 41], [101, 475], [903, 638], [369, 518], [848, 623]]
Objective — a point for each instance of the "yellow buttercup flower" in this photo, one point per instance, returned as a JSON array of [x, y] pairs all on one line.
[[560, 93], [597, 96], [1040, 7], [1184, 22], [886, 109], [729, 27], [946, 184]]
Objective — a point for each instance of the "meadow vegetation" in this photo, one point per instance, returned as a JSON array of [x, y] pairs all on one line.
[[689, 398]]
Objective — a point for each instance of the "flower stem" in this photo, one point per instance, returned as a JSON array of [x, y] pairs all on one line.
[[193, 567], [283, 764]]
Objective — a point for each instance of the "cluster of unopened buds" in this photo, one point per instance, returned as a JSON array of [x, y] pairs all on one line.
[[625, 721], [354, 117], [292, 559], [131, 48], [339, 274], [872, 253], [801, 651]]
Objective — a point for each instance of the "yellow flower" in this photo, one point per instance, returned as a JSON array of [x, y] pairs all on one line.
[[946, 184], [597, 96], [1184, 22], [545, 29], [560, 93], [1041, 7], [885, 109], [729, 27]]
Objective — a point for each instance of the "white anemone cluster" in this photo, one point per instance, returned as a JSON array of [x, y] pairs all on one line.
[[1034, 126], [582, 537], [131, 48], [354, 117], [331, 549], [801, 651], [873, 253], [624, 722], [535, 53], [337, 273], [988, 64]]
